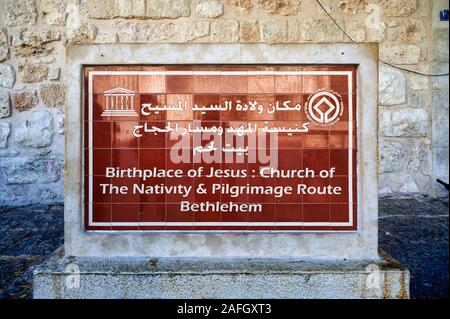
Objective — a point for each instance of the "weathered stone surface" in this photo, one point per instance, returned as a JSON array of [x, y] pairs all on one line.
[[193, 30], [392, 88], [417, 82], [3, 37], [31, 72], [441, 165], [36, 131], [108, 9], [209, 8], [5, 130], [242, 6], [107, 37], [392, 155], [7, 75], [249, 31], [129, 8], [412, 31], [274, 31], [160, 9], [294, 35], [59, 123], [53, 74], [225, 31], [376, 28], [33, 43], [400, 53], [18, 13], [398, 8], [83, 34], [440, 82], [99, 9], [419, 157], [440, 120], [322, 30], [5, 104], [409, 186], [148, 31], [418, 99], [4, 53], [356, 31], [52, 94], [282, 7], [31, 169], [407, 122], [352, 7], [53, 11], [23, 100]]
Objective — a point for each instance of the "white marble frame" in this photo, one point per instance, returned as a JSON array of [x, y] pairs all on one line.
[[351, 245]]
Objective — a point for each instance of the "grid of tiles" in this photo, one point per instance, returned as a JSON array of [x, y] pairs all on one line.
[[109, 141]]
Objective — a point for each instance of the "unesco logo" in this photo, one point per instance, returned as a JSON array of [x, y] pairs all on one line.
[[324, 107]]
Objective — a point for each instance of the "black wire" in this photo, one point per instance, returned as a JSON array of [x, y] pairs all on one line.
[[385, 62]]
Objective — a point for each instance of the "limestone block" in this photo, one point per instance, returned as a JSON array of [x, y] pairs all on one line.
[[23, 100], [412, 31], [352, 7], [419, 99], [400, 53], [440, 164], [281, 7], [36, 131], [226, 30], [32, 72], [171, 9], [440, 120], [392, 156], [4, 52], [31, 169], [17, 13], [398, 8], [53, 74], [417, 82], [322, 30], [5, 130], [242, 6], [129, 8], [3, 37], [99, 9], [409, 186], [356, 31], [209, 8], [193, 30], [274, 31], [392, 88], [149, 31], [249, 31], [52, 94], [85, 33], [5, 104], [33, 43], [407, 122], [53, 11], [7, 76], [440, 82]]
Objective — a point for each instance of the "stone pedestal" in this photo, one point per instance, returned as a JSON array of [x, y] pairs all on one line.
[[191, 278]]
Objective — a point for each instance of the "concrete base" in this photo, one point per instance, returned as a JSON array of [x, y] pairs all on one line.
[[191, 278]]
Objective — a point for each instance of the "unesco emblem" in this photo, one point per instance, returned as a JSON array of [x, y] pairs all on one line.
[[324, 107]]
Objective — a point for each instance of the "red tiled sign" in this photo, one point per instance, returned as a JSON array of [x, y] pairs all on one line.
[[228, 148]]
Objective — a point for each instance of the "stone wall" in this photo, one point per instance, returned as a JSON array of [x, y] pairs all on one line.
[[34, 34]]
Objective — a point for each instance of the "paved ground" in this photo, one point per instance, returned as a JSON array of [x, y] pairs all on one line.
[[414, 231]]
